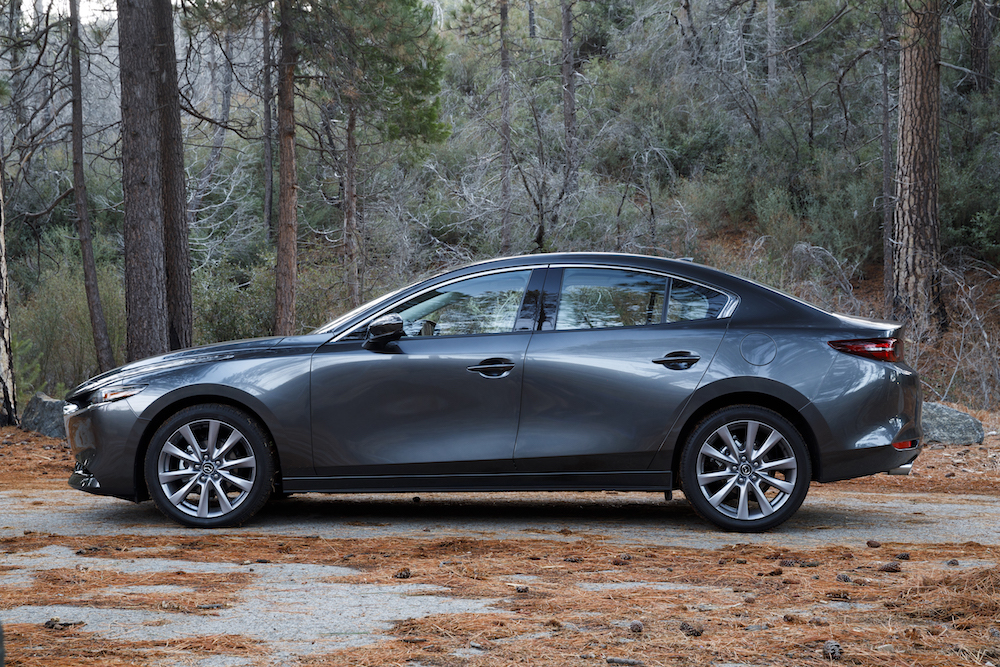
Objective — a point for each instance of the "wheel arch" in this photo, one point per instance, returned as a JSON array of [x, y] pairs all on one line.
[[761, 392], [169, 404]]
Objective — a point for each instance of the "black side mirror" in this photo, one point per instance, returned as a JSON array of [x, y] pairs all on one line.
[[383, 331]]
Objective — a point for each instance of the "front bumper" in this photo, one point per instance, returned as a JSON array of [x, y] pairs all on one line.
[[105, 462]]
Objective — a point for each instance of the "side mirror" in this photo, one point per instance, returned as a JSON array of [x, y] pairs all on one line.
[[383, 331]]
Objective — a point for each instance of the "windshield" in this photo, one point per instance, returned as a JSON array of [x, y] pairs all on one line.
[[330, 327]]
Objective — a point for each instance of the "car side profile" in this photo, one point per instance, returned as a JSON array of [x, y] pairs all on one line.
[[572, 371]]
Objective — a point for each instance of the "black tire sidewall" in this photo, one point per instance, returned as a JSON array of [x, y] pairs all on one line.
[[689, 467], [263, 452]]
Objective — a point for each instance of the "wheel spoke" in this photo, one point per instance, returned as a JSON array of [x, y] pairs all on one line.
[[762, 500], [712, 452], [188, 435], [780, 464], [706, 478], [223, 498], [173, 450], [717, 499], [727, 438], [743, 509], [779, 484], [751, 438], [771, 441], [213, 436], [233, 438], [242, 484], [247, 462], [203, 501], [167, 476], [178, 496]]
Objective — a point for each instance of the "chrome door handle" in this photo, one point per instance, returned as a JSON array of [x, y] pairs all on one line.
[[493, 368], [678, 361]]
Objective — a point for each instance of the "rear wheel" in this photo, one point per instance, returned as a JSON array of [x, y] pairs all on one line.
[[745, 468], [210, 466]]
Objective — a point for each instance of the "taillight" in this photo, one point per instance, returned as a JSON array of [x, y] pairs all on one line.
[[879, 349], [906, 444]]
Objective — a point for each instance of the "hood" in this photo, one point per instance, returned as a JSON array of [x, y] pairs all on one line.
[[194, 355]]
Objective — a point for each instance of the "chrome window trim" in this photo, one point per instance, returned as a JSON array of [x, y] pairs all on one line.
[[727, 311], [508, 269]]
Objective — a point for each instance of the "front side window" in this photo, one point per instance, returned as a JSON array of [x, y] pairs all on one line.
[[481, 305], [603, 298]]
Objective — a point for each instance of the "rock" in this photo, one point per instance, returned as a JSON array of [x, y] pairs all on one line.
[[874, 544], [943, 424], [44, 415], [903, 556]]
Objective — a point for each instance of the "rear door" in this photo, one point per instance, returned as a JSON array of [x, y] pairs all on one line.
[[618, 354]]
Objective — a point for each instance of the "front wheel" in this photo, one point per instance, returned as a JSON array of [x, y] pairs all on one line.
[[210, 466], [745, 468]]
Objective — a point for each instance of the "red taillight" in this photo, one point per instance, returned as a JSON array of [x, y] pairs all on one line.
[[906, 444], [879, 349]]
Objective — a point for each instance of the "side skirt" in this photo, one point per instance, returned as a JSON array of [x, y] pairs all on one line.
[[656, 480]]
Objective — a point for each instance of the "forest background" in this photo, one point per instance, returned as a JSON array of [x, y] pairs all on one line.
[[761, 138]]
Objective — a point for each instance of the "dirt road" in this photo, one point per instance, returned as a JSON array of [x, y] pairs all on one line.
[[896, 571]]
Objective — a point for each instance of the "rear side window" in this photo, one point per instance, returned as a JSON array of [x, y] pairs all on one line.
[[603, 298], [689, 301]]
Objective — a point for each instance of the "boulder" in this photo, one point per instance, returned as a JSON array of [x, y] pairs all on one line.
[[44, 415], [944, 424]]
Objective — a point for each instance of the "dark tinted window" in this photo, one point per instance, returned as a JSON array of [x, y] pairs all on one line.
[[693, 302], [601, 298]]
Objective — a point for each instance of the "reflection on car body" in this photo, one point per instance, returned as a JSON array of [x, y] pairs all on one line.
[[544, 372]]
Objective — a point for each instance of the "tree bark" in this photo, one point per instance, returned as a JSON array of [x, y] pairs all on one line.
[[286, 268], [886, 17], [981, 23], [352, 270], [268, 95], [569, 98], [505, 148], [8, 396], [180, 317], [102, 342], [145, 273], [916, 290], [772, 48]]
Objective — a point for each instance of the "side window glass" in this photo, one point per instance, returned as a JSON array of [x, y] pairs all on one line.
[[482, 305], [602, 298], [693, 302]]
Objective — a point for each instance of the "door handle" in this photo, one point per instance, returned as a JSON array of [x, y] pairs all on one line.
[[493, 368], [678, 361]]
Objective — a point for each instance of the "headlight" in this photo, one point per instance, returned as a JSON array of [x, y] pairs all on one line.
[[115, 393]]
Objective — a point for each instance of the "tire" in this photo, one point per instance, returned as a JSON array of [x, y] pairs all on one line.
[[210, 466], [745, 468]]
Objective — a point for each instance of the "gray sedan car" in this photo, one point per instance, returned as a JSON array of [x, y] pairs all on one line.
[[544, 372]]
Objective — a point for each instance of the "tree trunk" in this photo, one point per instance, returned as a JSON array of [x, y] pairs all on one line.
[[886, 16], [505, 148], [180, 318], [102, 342], [531, 19], [286, 268], [569, 98], [145, 276], [981, 23], [268, 95], [352, 272], [8, 396], [916, 290]]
